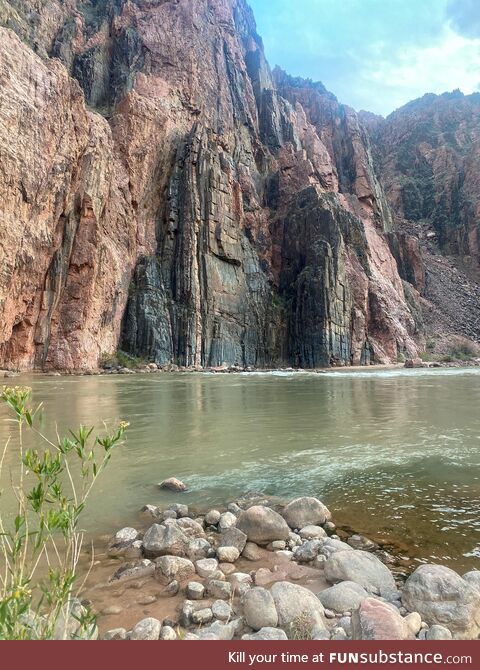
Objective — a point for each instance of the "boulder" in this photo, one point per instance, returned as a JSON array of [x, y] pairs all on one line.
[[125, 535], [168, 633], [414, 622], [296, 604], [115, 634], [377, 620], [252, 552], [221, 610], [473, 578], [240, 578], [198, 548], [312, 533], [278, 545], [206, 567], [227, 554], [262, 525], [362, 568], [308, 551], [259, 609], [173, 484], [190, 527], [146, 629], [219, 589], [165, 541], [437, 632], [442, 597], [217, 631], [181, 510], [212, 517], [233, 537], [306, 512], [172, 589], [134, 570], [267, 634], [173, 567], [122, 541], [227, 520], [151, 512], [195, 591], [331, 546], [414, 363], [361, 542], [203, 616], [343, 597]]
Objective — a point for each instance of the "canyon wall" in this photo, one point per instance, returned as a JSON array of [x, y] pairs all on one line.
[[428, 156], [164, 192]]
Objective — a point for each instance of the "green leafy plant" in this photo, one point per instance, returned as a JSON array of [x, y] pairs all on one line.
[[40, 545]]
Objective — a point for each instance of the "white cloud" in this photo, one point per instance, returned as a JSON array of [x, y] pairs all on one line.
[[453, 62]]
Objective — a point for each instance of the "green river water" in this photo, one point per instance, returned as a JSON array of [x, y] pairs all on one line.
[[395, 454]]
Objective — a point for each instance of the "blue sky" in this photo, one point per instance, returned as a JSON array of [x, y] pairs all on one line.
[[375, 54]]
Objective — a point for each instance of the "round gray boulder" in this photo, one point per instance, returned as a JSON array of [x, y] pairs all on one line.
[[146, 629], [362, 568], [442, 597], [343, 597], [297, 605], [259, 609], [262, 525], [306, 512]]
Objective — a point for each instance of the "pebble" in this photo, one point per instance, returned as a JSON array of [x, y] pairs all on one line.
[[221, 610], [278, 545], [212, 517], [112, 610], [252, 552], [219, 589], [228, 554], [146, 629], [168, 633], [202, 616], [115, 634], [173, 588], [437, 632], [195, 591], [339, 634], [147, 600], [227, 520], [206, 567]]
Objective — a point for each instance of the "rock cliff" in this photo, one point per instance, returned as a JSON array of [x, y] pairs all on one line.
[[428, 156], [164, 192]]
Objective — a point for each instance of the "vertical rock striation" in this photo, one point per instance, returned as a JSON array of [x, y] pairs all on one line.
[[163, 191]]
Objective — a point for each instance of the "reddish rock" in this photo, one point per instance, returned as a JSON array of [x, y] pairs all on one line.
[[164, 192], [376, 620]]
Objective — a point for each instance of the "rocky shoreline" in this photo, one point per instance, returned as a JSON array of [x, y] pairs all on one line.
[[153, 368], [266, 571]]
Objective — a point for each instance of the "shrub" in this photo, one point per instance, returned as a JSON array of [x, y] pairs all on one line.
[[45, 530]]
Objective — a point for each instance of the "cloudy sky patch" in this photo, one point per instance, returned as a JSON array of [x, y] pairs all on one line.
[[375, 54]]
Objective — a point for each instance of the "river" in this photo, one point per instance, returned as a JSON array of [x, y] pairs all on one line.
[[395, 453]]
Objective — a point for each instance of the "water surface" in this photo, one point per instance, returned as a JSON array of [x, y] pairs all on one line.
[[394, 453]]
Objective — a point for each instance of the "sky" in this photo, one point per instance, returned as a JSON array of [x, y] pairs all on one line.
[[375, 55]]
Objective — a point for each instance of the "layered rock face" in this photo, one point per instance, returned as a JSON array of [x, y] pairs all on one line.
[[164, 192], [428, 156]]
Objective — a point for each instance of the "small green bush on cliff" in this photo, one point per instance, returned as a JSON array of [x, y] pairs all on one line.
[[40, 545], [121, 359]]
